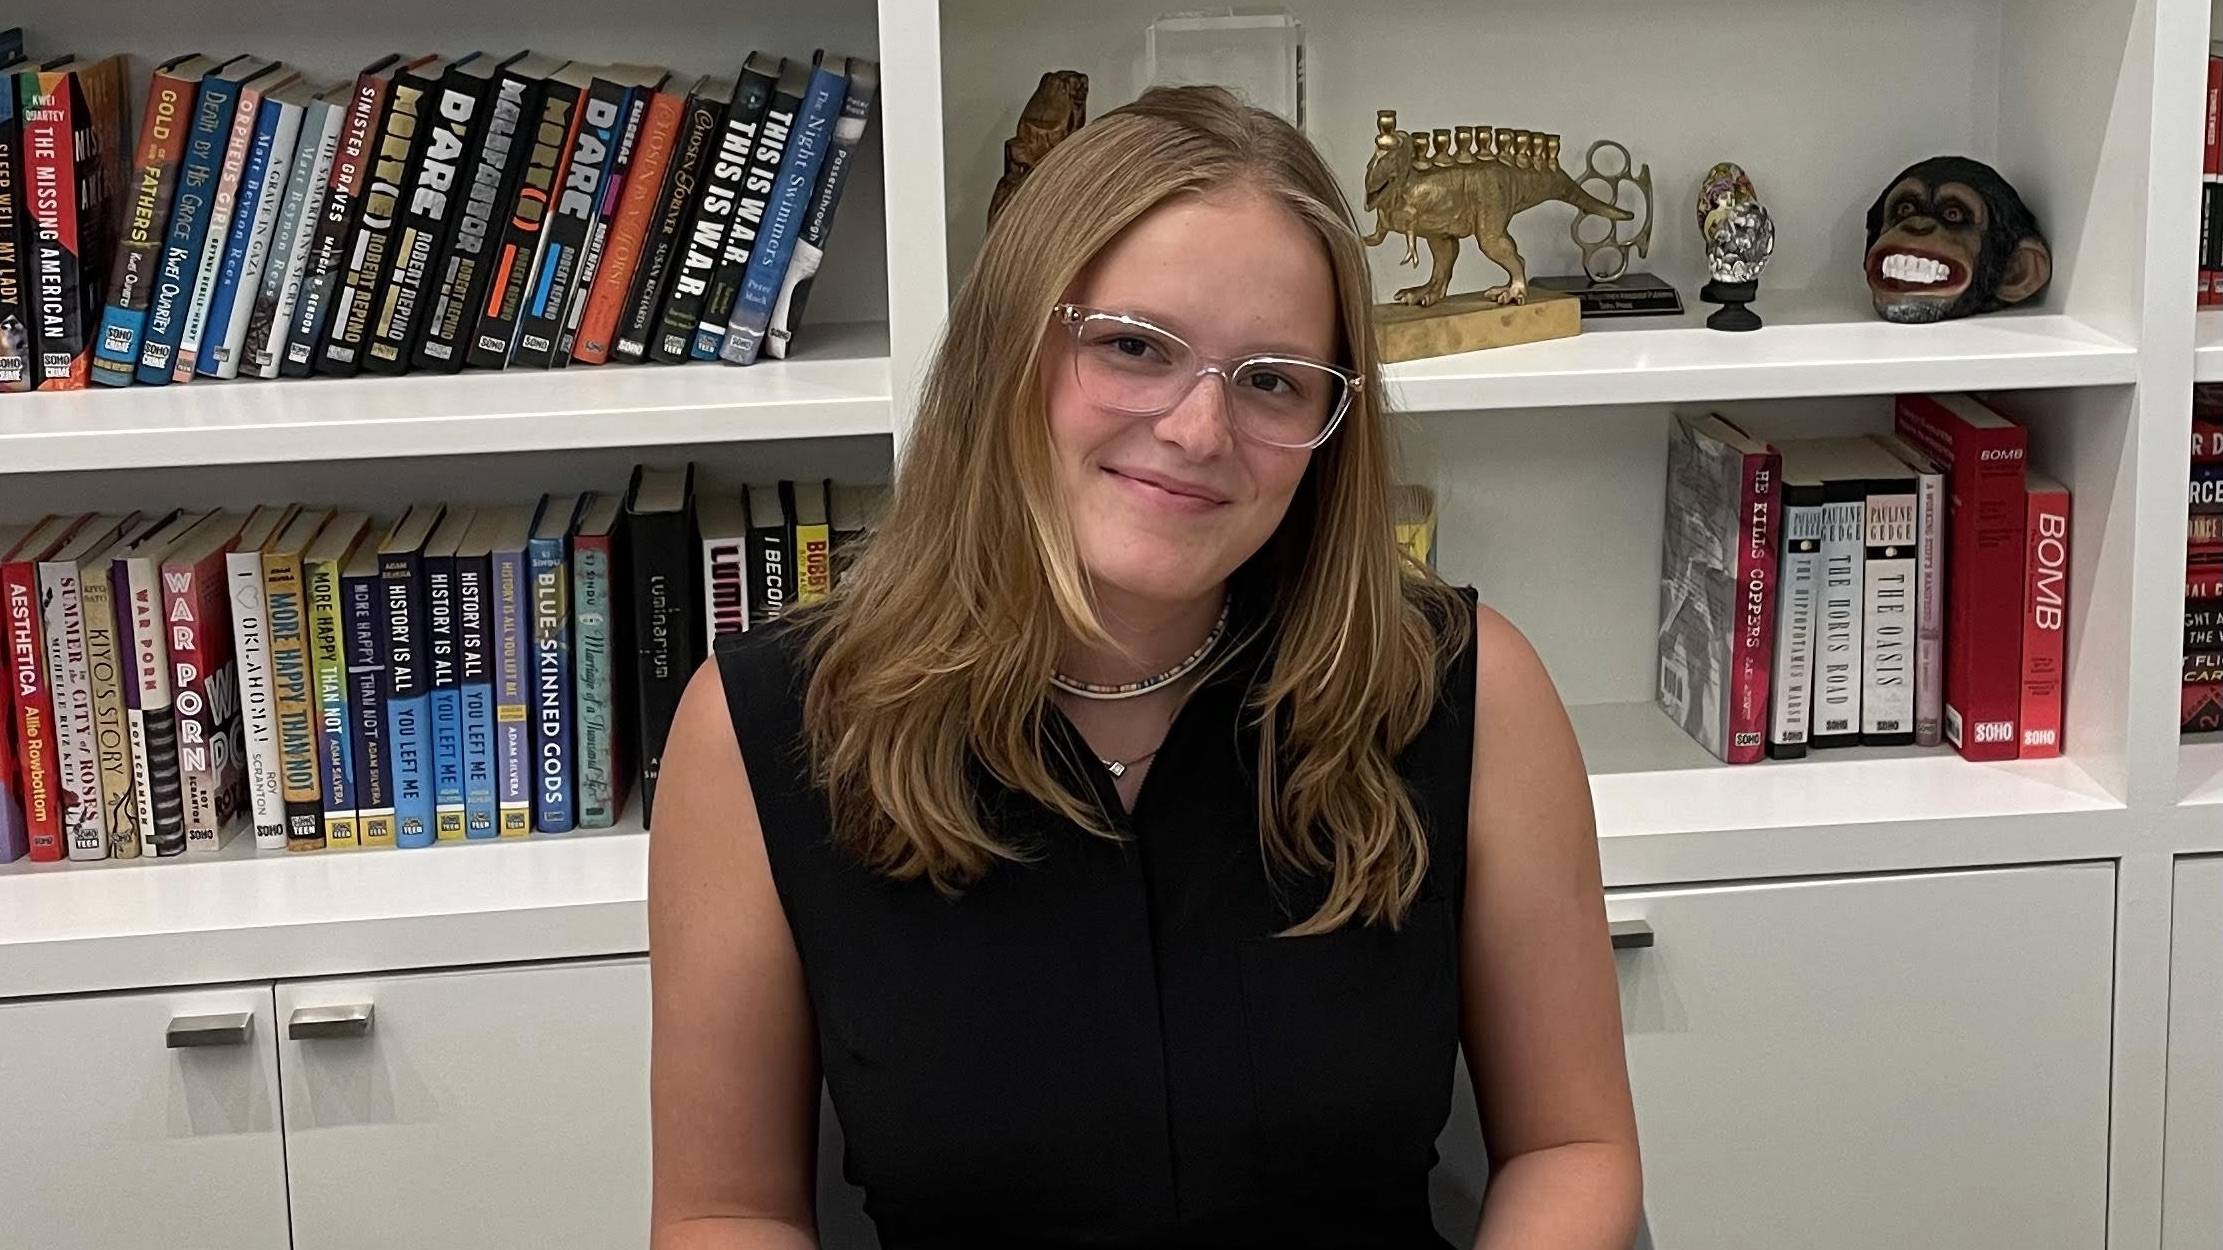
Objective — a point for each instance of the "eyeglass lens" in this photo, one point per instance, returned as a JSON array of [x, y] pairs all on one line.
[[1131, 368]]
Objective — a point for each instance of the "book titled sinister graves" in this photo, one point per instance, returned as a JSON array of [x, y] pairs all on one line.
[[326, 269], [394, 161], [1718, 561]]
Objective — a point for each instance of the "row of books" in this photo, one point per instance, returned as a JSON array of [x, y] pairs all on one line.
[[1908, 588], [2201, 708], [2211, 187], [433, 213], [337, 681]]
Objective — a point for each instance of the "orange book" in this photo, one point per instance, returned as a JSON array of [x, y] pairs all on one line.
[[644, 185]]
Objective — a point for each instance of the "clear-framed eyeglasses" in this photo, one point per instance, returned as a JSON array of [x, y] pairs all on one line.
[[1125, 364]]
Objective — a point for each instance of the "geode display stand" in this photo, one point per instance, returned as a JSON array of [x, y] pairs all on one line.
[[1735, 299]]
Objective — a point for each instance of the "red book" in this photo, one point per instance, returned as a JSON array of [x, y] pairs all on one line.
[[33, 693], [644, 186], [1983, 456], [2045, 609], [2203, 579], [1718, 575], [196, 607], [2202, 707], [2207, 436]]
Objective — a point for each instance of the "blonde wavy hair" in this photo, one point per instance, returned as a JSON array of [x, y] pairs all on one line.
[[933, 658]]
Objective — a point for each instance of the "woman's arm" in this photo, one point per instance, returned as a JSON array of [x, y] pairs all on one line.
[[1541, 1010], [734, 1074]]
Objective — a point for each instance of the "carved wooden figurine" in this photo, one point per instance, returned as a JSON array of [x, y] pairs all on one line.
[[1057, 108]]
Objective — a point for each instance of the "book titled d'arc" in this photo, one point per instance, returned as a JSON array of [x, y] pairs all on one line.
[[614, 240], [393, 165], [467, 261], [517, 261], [597, 127], [453, 124], [408, 674]]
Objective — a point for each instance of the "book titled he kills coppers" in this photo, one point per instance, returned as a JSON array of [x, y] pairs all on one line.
[[1718, 562]]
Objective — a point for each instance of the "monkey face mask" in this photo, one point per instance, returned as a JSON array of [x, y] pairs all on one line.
[[1949, 238]]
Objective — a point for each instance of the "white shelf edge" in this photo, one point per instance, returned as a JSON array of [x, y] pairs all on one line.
[[2207, 346], [836, 385]]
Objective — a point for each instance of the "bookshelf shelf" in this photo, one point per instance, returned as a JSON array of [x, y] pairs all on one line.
[[243, 914], [1811, 346], [2207, 347], [836, 384]]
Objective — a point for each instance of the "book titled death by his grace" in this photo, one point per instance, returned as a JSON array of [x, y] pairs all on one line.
[[154, 172]]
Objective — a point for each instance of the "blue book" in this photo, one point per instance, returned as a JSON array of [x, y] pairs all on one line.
[[232, 268], [165, 124], [363, 622], [447, 690], [548, 563], [189, 216], [474, 648], [783, 220], [408, 690]]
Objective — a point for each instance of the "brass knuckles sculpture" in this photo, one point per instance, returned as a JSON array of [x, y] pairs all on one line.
[[1468, 182], [1612, 247]]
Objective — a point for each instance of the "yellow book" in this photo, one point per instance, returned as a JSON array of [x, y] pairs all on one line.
[[1414, 514], [320, 568], [286, 599], [814, 543]]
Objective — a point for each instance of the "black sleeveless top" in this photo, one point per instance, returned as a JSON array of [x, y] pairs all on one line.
[[1106, 1046]]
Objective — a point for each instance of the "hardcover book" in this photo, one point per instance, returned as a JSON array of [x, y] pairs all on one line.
[[637, 202], [33, 692], [1797, 612], [162, 132], [69, 679], [1717, 586], [443, 667], [293, 679], [751, 317], [394, 160], [723, 521], [1983, 456], [258, 704], [646, 83], [702, 242], [408, 691], [105, 665], [548, 560], [508, 532], [517, 264], [700, 122], [73, 166], [661, 555], [294, 237], [202, 672], [363, 628], [192, 208], [771, 551], [597, 128], [240, 146], [475, 644], [18, 371], [1929, 564], [468, 263], [254, 225], [818, 221], [322, 567], [329, 263], [14, 841], [2045, 617], [597, 651], [756, 133], [452, 128], [814, 541], [852, 510], [149, 696]]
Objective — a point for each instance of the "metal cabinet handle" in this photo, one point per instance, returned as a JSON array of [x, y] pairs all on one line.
[[1631, 935], [348, 1020], [228, 1028]]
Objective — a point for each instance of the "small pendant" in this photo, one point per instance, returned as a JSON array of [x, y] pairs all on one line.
[[1115, 768]]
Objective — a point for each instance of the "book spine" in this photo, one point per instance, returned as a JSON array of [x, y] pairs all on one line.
[[14, 840], [364, 637], [18, 371], [1889, 578], [2202, 708], [1837, 667], [702, 247], [791, 196], [814, 569], [553, 750], [700, 122], [1796, 617], [622, 254], [293, 682], [427, 219], [154, 724], [326, 268], [223, 207], [2203, 581], [475, 677], [818, 222], [2045, 624], [190, 209], [605, 219], [207, 686], [266, 799], [1752, 657], [1929, 637], [34, 711], [725, 582], [408, 699], [111, 732], [513, 684], [596, 125], [69, 677], [757, 131], [600, 788], [254, 222], [51, 221], [335, 747], [663, 633], [510, 285], [294, 238], [162, 134], [394, 160], [469, 258], [446, 699], [771, 572]]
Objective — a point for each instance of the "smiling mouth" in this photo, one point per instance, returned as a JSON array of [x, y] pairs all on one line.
[[1916, 273], [1180, 496]]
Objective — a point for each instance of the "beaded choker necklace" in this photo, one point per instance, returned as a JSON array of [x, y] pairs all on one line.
[[1130, 689]]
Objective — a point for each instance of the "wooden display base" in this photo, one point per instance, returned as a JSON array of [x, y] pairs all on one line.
[[1470, 322]]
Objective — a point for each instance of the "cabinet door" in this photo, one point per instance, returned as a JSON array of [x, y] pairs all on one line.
[[470, 1109], [2192, 1196], [1885, 1061], [142, 1120]]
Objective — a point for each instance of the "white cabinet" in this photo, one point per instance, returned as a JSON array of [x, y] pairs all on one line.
[[142, 1120], [484, 1108], [1882, 1061], [2192, 1191]]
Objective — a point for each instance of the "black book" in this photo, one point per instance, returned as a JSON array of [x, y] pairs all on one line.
[[429, 209], [467, 260], [645, 86], [703, 242], [762, 116], [518, 258], [661, 559], [598, 127], [772, 581], [704, 116], [342, 203], [393, 163], [16, 348]]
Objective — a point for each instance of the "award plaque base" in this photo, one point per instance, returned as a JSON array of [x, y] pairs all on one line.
[[1630, 295], [1471, 322]]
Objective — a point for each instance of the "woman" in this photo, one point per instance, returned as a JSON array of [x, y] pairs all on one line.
[[1134, 838]]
